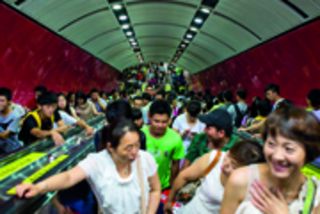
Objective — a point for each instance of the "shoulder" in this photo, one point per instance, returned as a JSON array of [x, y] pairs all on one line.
[[243, 173], [173, 135]]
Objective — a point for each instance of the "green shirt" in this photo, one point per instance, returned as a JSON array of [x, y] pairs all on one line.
[[165, 149], [198, 146]]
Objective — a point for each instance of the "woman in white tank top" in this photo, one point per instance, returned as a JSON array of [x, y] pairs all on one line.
[[292, 139], [209, 194]]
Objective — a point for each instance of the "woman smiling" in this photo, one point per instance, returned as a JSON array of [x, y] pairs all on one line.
[[292, 139]]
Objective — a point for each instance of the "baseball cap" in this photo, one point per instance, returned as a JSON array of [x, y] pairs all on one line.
[[219, 118]]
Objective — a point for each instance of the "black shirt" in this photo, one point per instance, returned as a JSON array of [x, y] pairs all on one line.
[[30, 123]]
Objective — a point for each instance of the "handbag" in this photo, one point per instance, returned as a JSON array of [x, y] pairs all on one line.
[[140, 177], [186, 193]]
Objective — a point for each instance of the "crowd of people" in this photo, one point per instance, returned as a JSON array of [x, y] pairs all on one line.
[[158, 138]]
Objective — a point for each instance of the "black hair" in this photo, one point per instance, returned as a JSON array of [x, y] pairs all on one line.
[[272, 87], [40, 88], [264, 107], [137, 98], [314, 98], [67, 108], [227, 95], [146, 96], [6, 92], [160, 107], [136, 114], [47, 98], [242, 93], [194, 108], [80, 95], [296, 124], [114, 134], [94, 90], [247, 152], [117, 110]]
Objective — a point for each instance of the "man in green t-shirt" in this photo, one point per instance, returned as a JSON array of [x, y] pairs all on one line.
[[163, 143], [218, 135]]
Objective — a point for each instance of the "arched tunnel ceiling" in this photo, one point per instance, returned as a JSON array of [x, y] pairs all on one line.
[[232, 27]]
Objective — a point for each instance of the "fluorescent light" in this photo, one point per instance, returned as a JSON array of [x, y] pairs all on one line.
[[123, 17], [194, 29], [132, 40], [129, 33], [125, 26], [117, 7], [189, 36], [186, 41], [134, 43], [198, 20], [205, 10], [183, 45]]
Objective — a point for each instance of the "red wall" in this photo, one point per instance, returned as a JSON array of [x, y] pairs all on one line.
[[31, 55], [292, 61]]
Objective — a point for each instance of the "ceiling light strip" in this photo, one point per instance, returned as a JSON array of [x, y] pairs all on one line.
[[119, 9], [201, 15]]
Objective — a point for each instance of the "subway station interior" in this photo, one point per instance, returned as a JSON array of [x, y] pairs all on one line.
[[168, 106]]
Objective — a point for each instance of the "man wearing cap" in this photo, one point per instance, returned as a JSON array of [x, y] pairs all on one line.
[[38, 124], [217, 135]]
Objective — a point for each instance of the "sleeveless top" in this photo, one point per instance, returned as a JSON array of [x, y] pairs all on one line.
[[295, 207], [209, 194]]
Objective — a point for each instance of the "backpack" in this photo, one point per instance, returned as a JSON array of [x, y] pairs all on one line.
[[239, 116], [36, 116]]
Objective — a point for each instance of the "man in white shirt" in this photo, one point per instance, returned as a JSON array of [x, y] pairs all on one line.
[[187, 124]]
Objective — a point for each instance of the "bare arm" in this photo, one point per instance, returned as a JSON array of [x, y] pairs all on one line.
[[94, 109], [60, 181], [84, 125], [62, 127], [174, 170], [154, 194], [231, 198], [253, 127], [191, 173], [5, 134]]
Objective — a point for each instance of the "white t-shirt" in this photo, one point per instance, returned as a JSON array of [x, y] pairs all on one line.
[[116, 194], [67, 118], [181, 124]]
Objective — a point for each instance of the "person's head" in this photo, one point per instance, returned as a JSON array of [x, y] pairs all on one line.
[[159, 117], [94, 94], [117, 110], [81, 98], [137, 102], [71, 98], [62, 101], [292, 137], [122, 141], [218, 125], [5, 98], [272, 91], [243, 153], [149, 89], [313, 98], [241, 94], [160, 95], [263, 107], [228, 96], [38, 90], [193, 109], [47, 103], [137, 117], [146, 98]]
